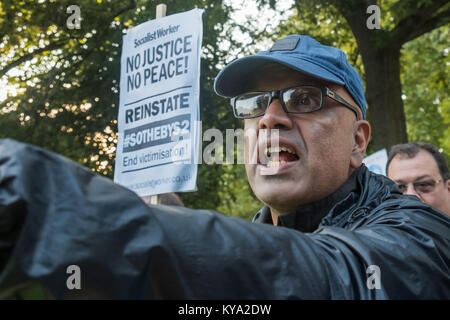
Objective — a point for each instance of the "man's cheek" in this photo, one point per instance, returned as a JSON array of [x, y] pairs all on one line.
[[249, 172], [251, 143], [251, 152], [429, 199]]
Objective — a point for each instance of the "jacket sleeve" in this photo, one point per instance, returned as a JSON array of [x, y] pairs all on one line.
[[55, 214], [399, 253]]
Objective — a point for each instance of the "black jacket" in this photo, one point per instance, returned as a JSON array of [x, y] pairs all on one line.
[[54, 214]]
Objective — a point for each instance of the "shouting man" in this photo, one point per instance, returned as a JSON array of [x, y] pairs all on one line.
[[329, 229]]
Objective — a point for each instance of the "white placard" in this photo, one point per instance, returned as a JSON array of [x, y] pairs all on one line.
[[159, 105], [377, 161]]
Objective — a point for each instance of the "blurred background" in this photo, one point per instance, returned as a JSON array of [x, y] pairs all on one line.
[[59, 87]]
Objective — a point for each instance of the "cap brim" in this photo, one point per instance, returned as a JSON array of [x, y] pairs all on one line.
[[235, 78]]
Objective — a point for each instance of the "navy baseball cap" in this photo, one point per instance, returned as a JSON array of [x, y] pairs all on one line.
[[298, 52]]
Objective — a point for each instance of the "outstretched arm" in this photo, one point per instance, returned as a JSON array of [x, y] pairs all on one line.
[[54, 214]]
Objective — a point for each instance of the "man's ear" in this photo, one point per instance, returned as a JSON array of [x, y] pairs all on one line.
[[361, 137]]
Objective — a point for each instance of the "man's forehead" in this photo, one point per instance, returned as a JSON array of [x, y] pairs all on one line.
[[402, 167]]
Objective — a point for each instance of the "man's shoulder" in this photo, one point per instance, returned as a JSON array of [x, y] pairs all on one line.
[[380, 203], [405, 213]]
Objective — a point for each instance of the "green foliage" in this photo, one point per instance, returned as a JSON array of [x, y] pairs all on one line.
[[424, 62], [236, 195], [425, 81], [67, 85], [33, 291]]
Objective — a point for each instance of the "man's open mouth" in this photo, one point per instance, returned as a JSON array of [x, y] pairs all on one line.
[[278, 155]]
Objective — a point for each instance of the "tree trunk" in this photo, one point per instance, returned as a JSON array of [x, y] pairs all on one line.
[[384, 96], [381, 60]]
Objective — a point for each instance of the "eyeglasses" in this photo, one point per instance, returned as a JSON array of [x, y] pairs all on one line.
[[425, 186], [301, 99]]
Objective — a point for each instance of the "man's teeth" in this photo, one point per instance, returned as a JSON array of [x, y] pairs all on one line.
[[270, 150], [276, 163]]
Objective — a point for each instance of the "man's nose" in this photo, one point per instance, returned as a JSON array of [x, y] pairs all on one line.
[[411, 191], [275, 117]]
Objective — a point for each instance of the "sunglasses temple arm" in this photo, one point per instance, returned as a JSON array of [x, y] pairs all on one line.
[[333, 95]]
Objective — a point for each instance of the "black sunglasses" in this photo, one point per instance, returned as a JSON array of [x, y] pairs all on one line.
[[300, 99], [424, 186]]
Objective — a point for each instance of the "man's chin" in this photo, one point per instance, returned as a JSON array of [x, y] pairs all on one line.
[[283, 200]]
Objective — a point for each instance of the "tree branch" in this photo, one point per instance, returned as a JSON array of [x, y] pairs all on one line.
[[421, 22], [131, 5], [56, 45], [355, 14], [29, 56]]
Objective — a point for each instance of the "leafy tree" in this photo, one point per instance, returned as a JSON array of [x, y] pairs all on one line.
[[380, 50], [67, 81], [425, 65], [423, 68]]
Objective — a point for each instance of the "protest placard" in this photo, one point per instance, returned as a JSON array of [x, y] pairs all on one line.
[[377, 161], [159, 105]]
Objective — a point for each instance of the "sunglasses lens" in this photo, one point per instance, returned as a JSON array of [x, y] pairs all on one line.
[[251, 104], [420, 187], [425, 186], [302, 99]]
